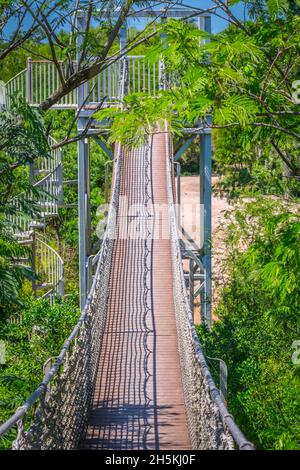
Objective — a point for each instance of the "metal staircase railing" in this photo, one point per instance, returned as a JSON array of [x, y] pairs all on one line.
[[51, 184], [46, 176], [40, 79], [50, 268], [17, 84]]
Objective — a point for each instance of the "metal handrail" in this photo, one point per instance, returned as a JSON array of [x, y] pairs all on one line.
[[39, 183], [16, 76], [40, 78], [57, 285]]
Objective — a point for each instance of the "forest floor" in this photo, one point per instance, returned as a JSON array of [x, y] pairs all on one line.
[[191, 222]]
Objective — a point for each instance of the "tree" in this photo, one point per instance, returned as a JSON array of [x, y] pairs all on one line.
[[69, 28], [244, 77], [258, 321]]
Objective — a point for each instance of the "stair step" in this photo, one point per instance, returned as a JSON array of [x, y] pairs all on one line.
[[46, 204], [41, 172], [23, 260]]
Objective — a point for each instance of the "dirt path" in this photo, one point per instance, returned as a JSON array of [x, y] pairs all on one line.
[[191, 222]]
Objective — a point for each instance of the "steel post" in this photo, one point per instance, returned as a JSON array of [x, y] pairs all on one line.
[[29, 80], [191, 285], [84, 217], [124, 62], [84, 220], [33, 262], [60, 179], [161, 65], [207, 24], [205, 223], [178, 202]]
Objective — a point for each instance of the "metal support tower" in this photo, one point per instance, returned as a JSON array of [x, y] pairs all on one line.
[[202, 257], [84, 208], [84, 212], [205, 209], [205, 223], [204, 251]]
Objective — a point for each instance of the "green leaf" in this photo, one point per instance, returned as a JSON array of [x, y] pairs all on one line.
[[277, 7]]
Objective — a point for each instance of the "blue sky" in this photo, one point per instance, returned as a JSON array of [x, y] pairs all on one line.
[[217, 23]]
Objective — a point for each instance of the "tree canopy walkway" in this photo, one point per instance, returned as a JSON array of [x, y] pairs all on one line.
[[132, 374]]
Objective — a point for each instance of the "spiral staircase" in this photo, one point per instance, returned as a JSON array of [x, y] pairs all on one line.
[[46, 176]]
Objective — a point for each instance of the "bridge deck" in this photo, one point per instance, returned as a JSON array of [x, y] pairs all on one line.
[[138, 399]]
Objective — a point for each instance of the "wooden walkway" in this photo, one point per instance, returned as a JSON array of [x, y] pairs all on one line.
[[138, 398]]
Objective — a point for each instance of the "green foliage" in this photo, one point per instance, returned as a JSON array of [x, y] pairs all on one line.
[[31, 336], [22, 136], [12, 273], [141, 116], [64, 227], [16, 61], [23, 140], [258, 321], [243, 78], [247, 165], [235, 108], [276, 7]]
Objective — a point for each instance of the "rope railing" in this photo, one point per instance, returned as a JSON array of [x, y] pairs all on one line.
[[55, 415], [210, 424], [63, 399]]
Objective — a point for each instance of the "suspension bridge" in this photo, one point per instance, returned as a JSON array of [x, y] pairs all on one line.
[[132, 374]]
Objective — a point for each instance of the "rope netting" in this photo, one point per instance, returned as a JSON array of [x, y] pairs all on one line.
[[210, 424]]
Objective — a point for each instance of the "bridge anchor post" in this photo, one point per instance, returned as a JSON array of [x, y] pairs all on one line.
[[205, 223], [84, 212]]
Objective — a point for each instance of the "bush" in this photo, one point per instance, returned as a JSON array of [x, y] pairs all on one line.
[[31, 337], [258, 321]]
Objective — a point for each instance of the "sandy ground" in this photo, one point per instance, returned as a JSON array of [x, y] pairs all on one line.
[[190, 196], [191, 222]]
